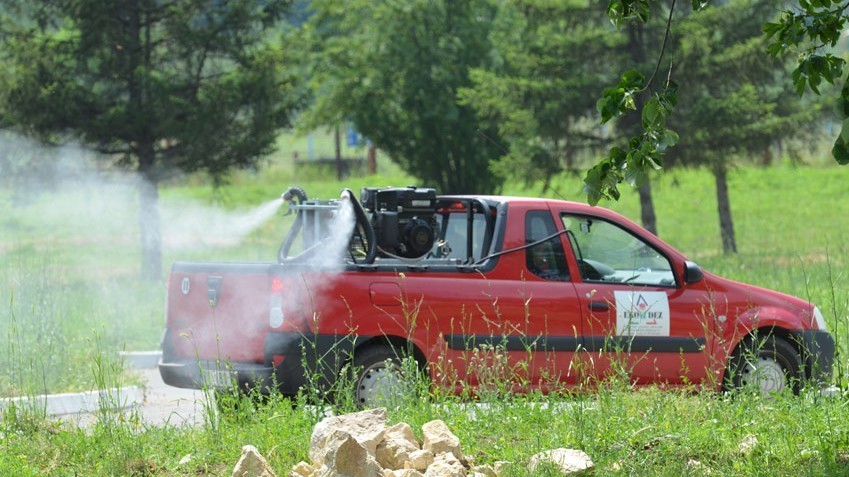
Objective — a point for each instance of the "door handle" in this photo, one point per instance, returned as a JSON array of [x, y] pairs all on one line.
[[599, 306]]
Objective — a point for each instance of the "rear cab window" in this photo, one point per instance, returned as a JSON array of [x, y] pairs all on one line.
[[544, 255], [452, 242]]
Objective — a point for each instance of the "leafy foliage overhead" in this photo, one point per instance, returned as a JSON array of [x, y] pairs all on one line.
[[810, 30]]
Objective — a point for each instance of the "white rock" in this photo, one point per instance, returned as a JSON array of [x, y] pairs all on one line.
[[569, 461], [447, 457], [345, 457], [698, 468], [439, 439], [500, 466], [484, 470], [402, 473], [397, 444], [419, 460], [748, 445], [366, 427], [252, 464], [302, 469], [445, 465]]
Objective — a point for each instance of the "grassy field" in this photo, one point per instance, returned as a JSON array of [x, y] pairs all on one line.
[[71, 300]]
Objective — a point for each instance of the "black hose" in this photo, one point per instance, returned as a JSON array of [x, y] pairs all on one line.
[[291, 194], [362, 219]]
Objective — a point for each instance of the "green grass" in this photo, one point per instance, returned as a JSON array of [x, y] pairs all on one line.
[[643, 432], [70, 300]]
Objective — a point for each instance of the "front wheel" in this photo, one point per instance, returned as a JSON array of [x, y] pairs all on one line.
[[764, 365]]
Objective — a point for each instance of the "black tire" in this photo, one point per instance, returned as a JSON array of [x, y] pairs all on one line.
[[379, 379], [764, 365], [231, 402]]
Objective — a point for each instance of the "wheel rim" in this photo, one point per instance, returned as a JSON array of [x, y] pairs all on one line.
[[380, 384], [765, 375]]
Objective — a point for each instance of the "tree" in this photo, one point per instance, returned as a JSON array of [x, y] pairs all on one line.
[[811, 30], [164, 85], [539, 92], [393, 69], [736, 103]]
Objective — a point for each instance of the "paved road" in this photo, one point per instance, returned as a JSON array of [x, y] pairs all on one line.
[[163, 404]]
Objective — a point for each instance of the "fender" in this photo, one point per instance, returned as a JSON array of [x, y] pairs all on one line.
[[765, 317]]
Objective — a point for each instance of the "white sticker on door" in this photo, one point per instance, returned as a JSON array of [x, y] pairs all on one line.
[[641, 313]]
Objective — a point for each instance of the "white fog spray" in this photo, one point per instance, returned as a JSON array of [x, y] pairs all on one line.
[[69, 236], [246, 317], [188, 224]]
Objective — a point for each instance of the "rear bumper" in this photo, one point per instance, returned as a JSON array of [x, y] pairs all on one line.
[[196, 374], [818, 355], [291, 361]]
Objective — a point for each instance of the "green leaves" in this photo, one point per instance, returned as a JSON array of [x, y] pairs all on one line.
[[814, 26], [394, 69], [624, 11], [699, 5], [620, 98], [840, 150], [815, 68], [645, 151]]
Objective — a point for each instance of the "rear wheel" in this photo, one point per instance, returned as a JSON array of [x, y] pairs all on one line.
[[380, 379], [764, 365]]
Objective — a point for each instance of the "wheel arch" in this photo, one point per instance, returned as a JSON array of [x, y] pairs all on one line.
[[790, 336], [397, 342], [779, 322]]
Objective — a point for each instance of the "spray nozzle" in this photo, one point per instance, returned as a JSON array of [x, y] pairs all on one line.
[[293, 193]]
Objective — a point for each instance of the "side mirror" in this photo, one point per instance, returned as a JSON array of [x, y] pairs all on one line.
[[692, 272]]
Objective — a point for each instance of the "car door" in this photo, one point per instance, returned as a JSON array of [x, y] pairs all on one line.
[[639, 319], [553, 309], [520, 327]]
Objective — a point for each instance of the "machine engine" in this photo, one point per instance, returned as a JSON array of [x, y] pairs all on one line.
[[404, 219]]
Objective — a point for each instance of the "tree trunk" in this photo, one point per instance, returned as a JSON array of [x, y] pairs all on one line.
[[647, 207], [723, 205], [149, 227], [371, 159], [568, 149], [338, 146], [633, 126], [138, 53]]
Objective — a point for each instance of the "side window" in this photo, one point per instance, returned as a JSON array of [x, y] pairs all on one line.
[[546, 259], [608, 253]]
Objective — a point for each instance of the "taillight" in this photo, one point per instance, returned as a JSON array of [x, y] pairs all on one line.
[[275, 313], [277, 286]]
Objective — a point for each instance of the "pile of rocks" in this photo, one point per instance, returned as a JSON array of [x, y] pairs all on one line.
[[362, 445]]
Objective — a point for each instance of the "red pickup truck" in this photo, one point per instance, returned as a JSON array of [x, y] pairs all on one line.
[[536, 294]]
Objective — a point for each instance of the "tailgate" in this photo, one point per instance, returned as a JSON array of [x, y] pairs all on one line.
[[218, 311]]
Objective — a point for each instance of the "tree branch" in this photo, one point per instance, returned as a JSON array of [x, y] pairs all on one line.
[[663, 45]]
